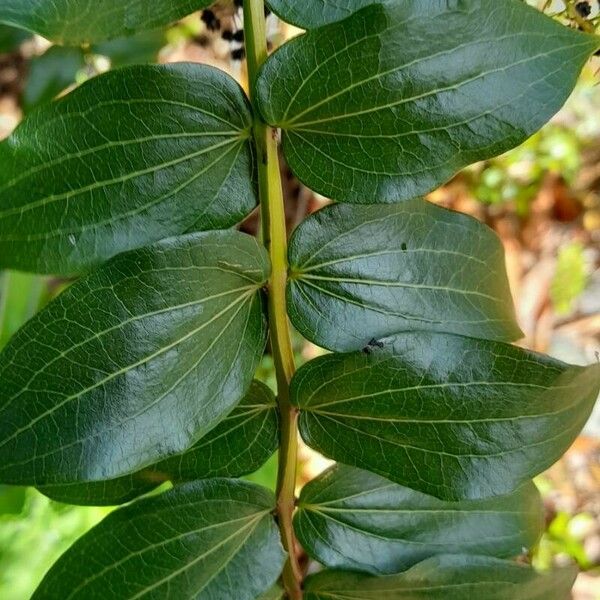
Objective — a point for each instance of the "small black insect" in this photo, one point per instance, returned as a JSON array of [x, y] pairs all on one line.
[[373, 343], [211, 21], [403, 246], [583, 8]]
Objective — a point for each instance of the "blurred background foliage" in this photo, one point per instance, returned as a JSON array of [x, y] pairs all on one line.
[[543, 199]]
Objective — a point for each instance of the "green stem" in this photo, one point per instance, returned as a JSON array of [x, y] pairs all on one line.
[[275, 240]]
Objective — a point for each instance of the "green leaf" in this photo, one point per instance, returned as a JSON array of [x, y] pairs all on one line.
[[50, 74], [391, 102], [450, 416], [76, 22], [364, 272], [137, 49], [238, 445], [449, 577], [355, 520], [128, 158], [275, 593], [133, 363], [309, 14], [200, 541], [11, 38]]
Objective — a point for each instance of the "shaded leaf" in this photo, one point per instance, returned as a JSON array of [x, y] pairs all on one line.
[[77, 22], [136, 49], [391, 102], [11, 38], [50, 74], [450, 416], [364, 272], [202, 540], [355, 520], [239, 444], [449, 577], [133, 363], [126, 159]]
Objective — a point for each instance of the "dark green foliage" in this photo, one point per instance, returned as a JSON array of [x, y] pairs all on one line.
[[391, 102], [191, 543], [142, 371], [134, 362], [102, 170], [352, 519], [447, 415]]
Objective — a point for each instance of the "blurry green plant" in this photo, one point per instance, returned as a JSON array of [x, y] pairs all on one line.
[[34, 532], [518, 175], [564, 539], [570, 278]]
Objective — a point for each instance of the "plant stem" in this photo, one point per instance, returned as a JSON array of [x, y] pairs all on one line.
[[275, 239]]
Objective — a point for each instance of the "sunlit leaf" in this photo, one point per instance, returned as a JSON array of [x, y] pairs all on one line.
[[133, 363]]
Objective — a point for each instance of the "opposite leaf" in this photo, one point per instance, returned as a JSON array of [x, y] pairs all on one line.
[[200, 541], [239, 444], [364, 272], [77, 22], [128, 158], [391, 102], [449, 577], [355, 520], [133, 363], [450, 416]]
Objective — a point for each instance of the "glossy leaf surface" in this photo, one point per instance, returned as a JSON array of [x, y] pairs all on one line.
[[450, 416], [365, 272], [351, 519], [449, 577], [239, 444], [391, 102], [83, 21], [309, 14], [201, 541], [128, 158], [133, 363]]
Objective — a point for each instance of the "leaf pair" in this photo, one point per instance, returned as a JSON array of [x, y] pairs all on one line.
[[428, 394], [139, 154]]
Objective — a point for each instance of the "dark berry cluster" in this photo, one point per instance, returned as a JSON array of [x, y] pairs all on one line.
[[235, 36], [583, 8]]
